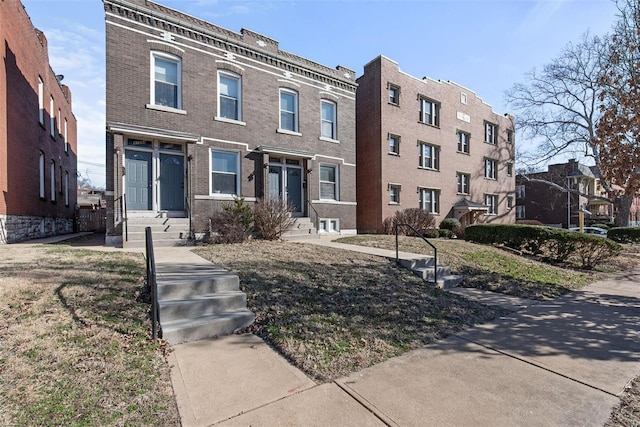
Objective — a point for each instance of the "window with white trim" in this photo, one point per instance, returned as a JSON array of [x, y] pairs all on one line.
[[288, 110], [59, 122], [491, 200], [509, 202], [229, 95], [328, 119], [509, 169], [41, 176], [394, 94], [40, 100], [394, 194], [66, 188], [510, 136], [463, 141], [52, 117], [329, 225], [394, 144], [520, 192], [463, 182], [429, 156], [66, 139], [490, 168], [430, 200], [328, 182], [520, 212], [52, 178], [490, 133], [225, 168], [166, 80], [429, 111]]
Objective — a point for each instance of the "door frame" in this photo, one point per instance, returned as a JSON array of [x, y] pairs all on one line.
[[283, 165]]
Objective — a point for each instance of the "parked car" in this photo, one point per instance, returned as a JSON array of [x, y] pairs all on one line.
[[592, 230]]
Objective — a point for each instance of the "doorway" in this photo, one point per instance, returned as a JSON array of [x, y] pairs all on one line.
[[285, 183]]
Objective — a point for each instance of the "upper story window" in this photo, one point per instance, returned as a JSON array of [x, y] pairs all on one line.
[[490, 133], [463, 141], [520, 212], [394, 144], [463, 182], [394, 94], [52, 178], [52, 117], [66, 140], [511, 136], [509, 169], [490, 168], [328, 182], [328, 119], [429, 111], [429, 156], [166, 80], [59, 122], [520, 192], [225, 167], [491, 200], [229, 96], [394, 194], [40, 101], [41, 178], [430, 200], [288, 110], [66, 188]]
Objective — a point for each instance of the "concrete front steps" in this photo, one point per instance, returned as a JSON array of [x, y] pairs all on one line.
[[203, 302], [424, 267], [166, 231], [302, 229]]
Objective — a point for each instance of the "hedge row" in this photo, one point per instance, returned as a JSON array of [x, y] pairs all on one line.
[[625, 234], [553, 244]]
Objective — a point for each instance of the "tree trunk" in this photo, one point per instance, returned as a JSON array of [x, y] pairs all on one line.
[[622, 206]]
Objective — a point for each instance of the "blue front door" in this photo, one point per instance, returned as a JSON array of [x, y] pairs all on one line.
[[171, 182], [138, 180]]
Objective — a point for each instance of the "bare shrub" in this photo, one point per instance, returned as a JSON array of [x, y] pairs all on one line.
[[421, 220], [272, 218]]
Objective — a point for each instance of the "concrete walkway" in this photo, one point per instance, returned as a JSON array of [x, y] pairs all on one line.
[[562, 362]]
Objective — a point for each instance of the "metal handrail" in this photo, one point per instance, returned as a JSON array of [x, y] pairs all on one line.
[[121, 202], [152, 283], [317, 221], [417, 233], [188, 209]]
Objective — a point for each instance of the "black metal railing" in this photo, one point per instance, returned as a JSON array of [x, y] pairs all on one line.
[[317, 220], [418, 234], [152, 284], [121, 209], [187, 208]]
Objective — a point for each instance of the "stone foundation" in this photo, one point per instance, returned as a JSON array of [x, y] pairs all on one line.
[[15, 228]]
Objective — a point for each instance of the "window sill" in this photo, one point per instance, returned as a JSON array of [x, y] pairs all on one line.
[[325, 139], [165, 109], [393, 103], [490, 179], [391, 153], [429, 124], [231, 121], [490, 143], [288, 132], [463, 194], [428, 169], [394, 203], [463, 152]]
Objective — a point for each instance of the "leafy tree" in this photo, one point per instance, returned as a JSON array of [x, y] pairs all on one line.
[[618, 129]]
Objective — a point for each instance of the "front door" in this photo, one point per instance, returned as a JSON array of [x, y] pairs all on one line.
[[285, 183], [138, 180], [294, 189], [171, 182]]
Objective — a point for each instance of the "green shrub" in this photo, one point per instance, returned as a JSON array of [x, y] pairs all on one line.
[[450, 224], [444, 233], [594, 250], [601, 225], [272, 218], [624, 234], [528, 222], [233, 224], [422, 221]]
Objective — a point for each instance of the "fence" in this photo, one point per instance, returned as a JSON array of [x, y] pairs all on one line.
[[92, 220]]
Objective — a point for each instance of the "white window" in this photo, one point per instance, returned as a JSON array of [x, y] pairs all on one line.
[[463, 98], [509, 202], [430, 200], [66, 188], [52, 117], [394, 194], [41, 175], [429, 156], [520, 192], [509, 169], [329, 226], [394, 144], [490, 168], [66, 140], [288, 110], [328, 182], [229, 96], [429, 112], [491, 200], [510, 136], [328, 119], [225, 167], [394, 94], [463, 141], [520, 212], [463, 183], [166, 77], [40, 101], [59, 122], [490, 133], [52, 178]]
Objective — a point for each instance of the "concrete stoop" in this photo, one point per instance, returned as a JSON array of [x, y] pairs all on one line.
[[425, 268], [166, 231], [203, 305], [303, 228]]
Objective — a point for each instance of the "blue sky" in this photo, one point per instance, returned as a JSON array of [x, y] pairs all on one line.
[[484, 45]]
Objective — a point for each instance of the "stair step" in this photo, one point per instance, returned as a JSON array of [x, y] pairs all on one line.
[[428, 273], [422, 262], [181, 331], [201, 305], [180, 286], [449, 281]]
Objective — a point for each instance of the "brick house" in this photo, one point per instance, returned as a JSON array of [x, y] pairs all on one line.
[[38, 148], [430, 144], [197, 114]]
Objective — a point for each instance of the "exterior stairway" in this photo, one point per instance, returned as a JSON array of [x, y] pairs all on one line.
[[302, 229], [424, 267], [200, 301], [166, 231]]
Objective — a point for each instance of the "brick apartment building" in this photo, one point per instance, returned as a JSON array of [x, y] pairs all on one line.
[[430, 144], [38, 149], [541, 196], [197, 114]]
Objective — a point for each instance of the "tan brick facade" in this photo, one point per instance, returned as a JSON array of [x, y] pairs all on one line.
[[38, 149], [424, 116]]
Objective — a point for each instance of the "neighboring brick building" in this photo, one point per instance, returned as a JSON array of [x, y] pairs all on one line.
[[198, 113], [38, 149], [430, 144]]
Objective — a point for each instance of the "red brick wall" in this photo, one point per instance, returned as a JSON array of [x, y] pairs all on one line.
[[22, 137]]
